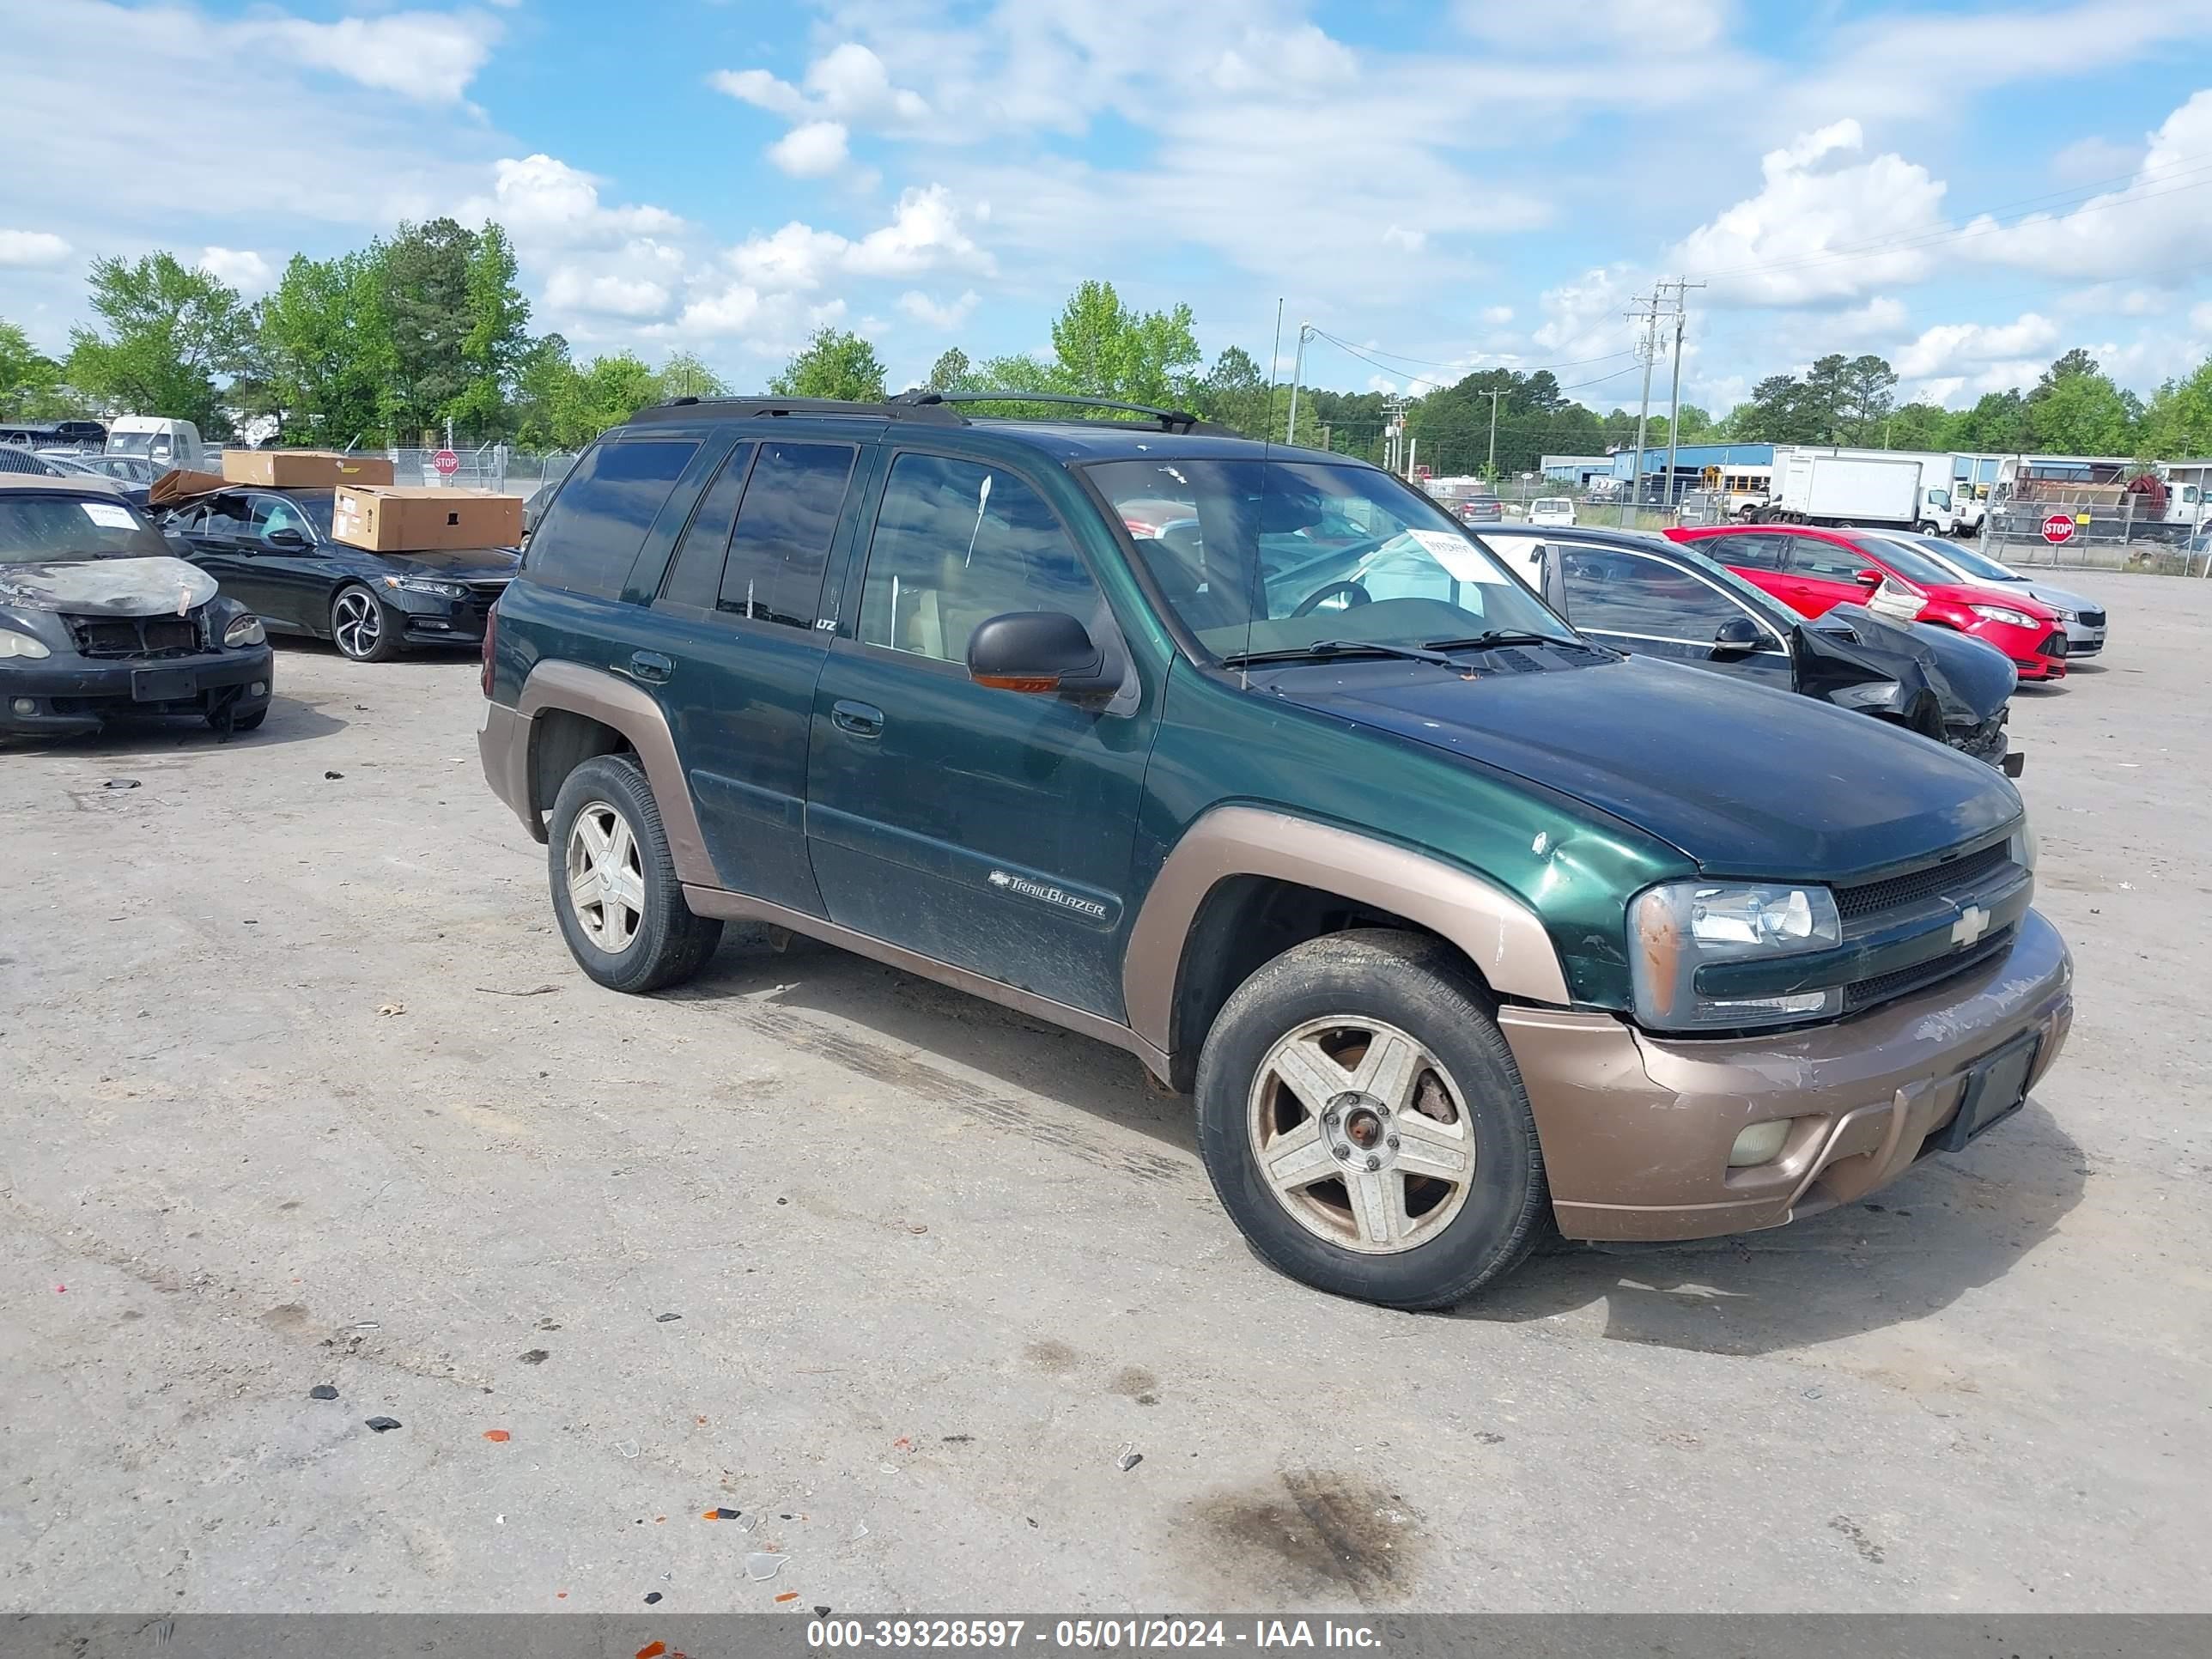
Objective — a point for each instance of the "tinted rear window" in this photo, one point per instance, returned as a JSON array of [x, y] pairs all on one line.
[[591, 533]]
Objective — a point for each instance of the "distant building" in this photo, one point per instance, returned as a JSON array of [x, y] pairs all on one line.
[[1575, 469]]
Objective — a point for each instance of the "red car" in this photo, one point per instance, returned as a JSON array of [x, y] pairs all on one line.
[[1811, 570]]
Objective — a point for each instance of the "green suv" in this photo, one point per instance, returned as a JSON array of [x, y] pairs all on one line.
[[1248, 760]]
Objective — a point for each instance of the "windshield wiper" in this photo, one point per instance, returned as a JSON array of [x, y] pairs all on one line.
[[1498, 636], [1337, 648]]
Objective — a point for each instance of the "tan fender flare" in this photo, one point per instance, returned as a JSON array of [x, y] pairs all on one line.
[[630, 710], [1498, 932]]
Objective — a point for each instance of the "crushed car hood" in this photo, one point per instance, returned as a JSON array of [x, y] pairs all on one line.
[[1850, 650], [107, 587], [1745, 779]]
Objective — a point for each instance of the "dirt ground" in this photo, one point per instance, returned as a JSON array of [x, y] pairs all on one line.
[[302, 1089]]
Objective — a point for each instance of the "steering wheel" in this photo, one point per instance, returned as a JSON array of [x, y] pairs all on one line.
[[1352, 592]]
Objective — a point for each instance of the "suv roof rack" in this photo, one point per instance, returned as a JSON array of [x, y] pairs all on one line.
[[680, 409], [1170, 420]]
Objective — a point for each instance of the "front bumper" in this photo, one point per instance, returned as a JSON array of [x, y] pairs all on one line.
[[69, 694], [1636, 1130], [431, 619], [2082, 640]]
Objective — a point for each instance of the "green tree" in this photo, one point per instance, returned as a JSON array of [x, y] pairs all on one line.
[[950, 373], [1696, 425], [833, 364], [1234, 392], [2179, 422], [685, 374], [326, 349], [495, 320], [1868, 394], [2071, 363], [30, 381], [1995, 425], [1101, 349], [173, 335], [1782, 409], [1917, 426], [1822, 402], [544, 391], [2081, 415], [426, 271]]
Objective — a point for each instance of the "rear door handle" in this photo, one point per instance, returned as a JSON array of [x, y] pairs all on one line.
[[651, 666], [862, 719]]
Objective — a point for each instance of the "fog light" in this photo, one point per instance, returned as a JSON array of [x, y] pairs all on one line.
[[1759, 1144], [258, 689], [26, 705]]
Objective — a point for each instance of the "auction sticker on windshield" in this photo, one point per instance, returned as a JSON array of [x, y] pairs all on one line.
[[108, 517], [1458, 556]]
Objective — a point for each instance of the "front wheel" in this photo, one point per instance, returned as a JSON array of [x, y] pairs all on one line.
[[360, 626], [1364, 1125], [615, 888]]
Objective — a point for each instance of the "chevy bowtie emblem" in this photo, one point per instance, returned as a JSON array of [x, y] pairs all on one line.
[[1970, 925]]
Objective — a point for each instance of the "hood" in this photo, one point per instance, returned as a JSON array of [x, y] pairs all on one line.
[[107, 587], [1851, 648], [2058, 599], [458, 563], [1745, 781]]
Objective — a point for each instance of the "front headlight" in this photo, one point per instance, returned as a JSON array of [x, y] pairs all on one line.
[[424, 584], [13, 644], [2020, 847], [244, 631], [1678, 928], [2003, 614]]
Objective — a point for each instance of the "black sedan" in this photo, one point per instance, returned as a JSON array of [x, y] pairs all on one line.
[[98, 619], [272, 550], [1655, 598]]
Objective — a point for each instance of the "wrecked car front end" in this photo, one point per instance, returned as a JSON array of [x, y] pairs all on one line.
[[112, 625], [1942, 684]]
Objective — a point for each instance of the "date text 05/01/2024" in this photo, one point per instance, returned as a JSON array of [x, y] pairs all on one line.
[[825, 1636]]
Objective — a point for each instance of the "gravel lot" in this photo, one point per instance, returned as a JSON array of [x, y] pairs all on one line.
[[897, 1274]]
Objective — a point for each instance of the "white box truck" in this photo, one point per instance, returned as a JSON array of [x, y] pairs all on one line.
[[1890, 492]]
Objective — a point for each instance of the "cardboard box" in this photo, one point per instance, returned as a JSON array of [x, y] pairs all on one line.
[[302, 469], [391, 518]]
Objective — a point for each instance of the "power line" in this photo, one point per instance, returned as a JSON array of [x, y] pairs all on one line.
[[1468, 364], [1389, 368]]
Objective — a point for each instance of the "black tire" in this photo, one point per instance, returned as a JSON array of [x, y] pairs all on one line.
[[1419, 986], [670, 943], [352, 643]]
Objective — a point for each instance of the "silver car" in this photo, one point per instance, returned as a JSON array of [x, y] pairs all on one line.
[[2082, 618]]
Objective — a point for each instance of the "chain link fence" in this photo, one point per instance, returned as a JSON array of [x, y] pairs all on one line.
[[498, 467]]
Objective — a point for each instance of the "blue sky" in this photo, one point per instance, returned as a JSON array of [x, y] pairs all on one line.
[[1967, 190]]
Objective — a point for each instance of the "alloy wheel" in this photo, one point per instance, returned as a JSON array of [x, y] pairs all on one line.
[[606, 877], [357, 622], [1361, 1134]]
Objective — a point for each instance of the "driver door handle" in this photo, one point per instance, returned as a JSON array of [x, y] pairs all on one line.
[[650, 666], [861, 720]]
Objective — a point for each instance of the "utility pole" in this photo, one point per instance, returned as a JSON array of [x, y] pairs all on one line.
[[1647, 350], [1674, 395], [1493, 437], [1297, 373]]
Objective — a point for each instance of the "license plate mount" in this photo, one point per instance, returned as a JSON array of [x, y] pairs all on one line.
[[163, 684], [1995, 1088]]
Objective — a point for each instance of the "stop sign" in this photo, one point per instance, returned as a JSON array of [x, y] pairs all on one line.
[[448, 463], [2058, 527]]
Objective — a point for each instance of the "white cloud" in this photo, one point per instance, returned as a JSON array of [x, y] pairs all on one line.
[[1949, 347], [1659, 26], [2143, 228], [927, 233], [1270, 58], [570, 289], [1408, 241], [428, 56], [931, 314], [1881, 318], [848, 83], [1806, 236], [810, 149], [32, 248], [243, 269], [1497, 316], [2200, 318], [545, 203], [2093, 159]]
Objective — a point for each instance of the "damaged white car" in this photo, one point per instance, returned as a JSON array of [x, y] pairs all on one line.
[[99, 619]]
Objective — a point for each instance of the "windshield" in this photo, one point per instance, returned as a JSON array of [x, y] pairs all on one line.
[[1275, 556], [1551, 504], [1977, 564], [50, 528], [1909, 562], [130, 443]]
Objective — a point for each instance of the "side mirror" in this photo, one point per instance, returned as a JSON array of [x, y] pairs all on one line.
[[1736, 636], [1552, 576], [1046, 651], [287, 538], [1870, 578]]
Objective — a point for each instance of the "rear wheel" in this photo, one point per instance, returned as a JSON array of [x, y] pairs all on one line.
[[1364, 1125], [615, 888]]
